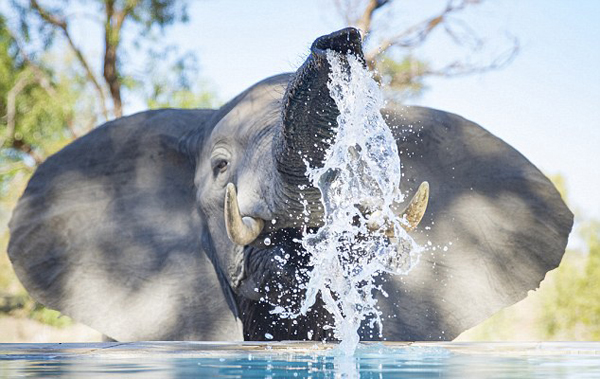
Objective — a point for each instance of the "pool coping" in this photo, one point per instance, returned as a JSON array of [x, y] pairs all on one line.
[[202, 349]]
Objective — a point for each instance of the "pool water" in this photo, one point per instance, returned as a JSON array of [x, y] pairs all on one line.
[[301, 359]]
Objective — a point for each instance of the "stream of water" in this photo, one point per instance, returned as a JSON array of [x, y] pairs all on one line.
[[359, 182]]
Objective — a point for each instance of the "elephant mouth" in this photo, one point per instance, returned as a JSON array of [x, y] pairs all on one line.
[[276, 264]]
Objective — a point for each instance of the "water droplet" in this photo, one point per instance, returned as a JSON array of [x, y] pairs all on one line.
[[267, 241]]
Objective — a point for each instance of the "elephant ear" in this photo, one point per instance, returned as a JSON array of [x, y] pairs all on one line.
[[494, 226], [108, 232]]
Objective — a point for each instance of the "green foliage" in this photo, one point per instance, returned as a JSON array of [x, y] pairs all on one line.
[[22, 305], [34, 115], [159, 12], [9, 285], [560, 183], [123, 24], [42, 118], [572, 307], [14, 299], [8, 65], [402, 78], [182, 98], [49, 316]]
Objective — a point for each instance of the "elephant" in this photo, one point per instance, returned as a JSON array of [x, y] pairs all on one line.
[[168, 224]]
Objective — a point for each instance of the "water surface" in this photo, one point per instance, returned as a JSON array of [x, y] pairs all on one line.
[[299, 359]]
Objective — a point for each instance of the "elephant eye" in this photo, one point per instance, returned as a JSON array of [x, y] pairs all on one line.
[[221, 166]]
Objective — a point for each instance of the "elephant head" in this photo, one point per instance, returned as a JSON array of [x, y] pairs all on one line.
[[184, 224]]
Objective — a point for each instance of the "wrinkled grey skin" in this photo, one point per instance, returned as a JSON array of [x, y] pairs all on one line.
[[124, 229]]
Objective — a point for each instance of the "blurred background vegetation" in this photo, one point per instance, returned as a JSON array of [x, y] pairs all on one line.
[[52, 91]]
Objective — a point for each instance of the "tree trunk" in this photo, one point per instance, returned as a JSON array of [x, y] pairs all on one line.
[[111, 76], [112, 35]]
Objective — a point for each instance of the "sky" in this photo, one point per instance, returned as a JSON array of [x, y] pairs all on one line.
[[546, 103]]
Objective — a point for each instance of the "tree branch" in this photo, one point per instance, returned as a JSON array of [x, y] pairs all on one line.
[[362, 21], [459, 68], [62, 25], [11, 115], [404, 74], [27, 149], [111, 42], [418, 33], [126, 11], [11, 107], [113, 25], [365, 20]]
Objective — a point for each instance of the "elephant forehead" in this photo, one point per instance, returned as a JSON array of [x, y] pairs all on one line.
[[256, 111]]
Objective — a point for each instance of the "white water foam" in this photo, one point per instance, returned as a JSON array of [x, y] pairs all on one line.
[[359, 182]]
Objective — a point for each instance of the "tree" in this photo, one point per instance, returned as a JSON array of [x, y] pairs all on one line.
[[36, 108], [392, 55], [142, 15], [572, 309], [47, 69]]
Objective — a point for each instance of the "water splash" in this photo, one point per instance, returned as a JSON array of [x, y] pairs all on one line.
[[359, 182]]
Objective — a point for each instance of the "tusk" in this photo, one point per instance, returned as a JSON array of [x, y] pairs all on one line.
[[372, 224], [415, 210], [413, 213], [241, 230]]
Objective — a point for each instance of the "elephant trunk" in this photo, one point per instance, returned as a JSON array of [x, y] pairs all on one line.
[[309, 122]]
